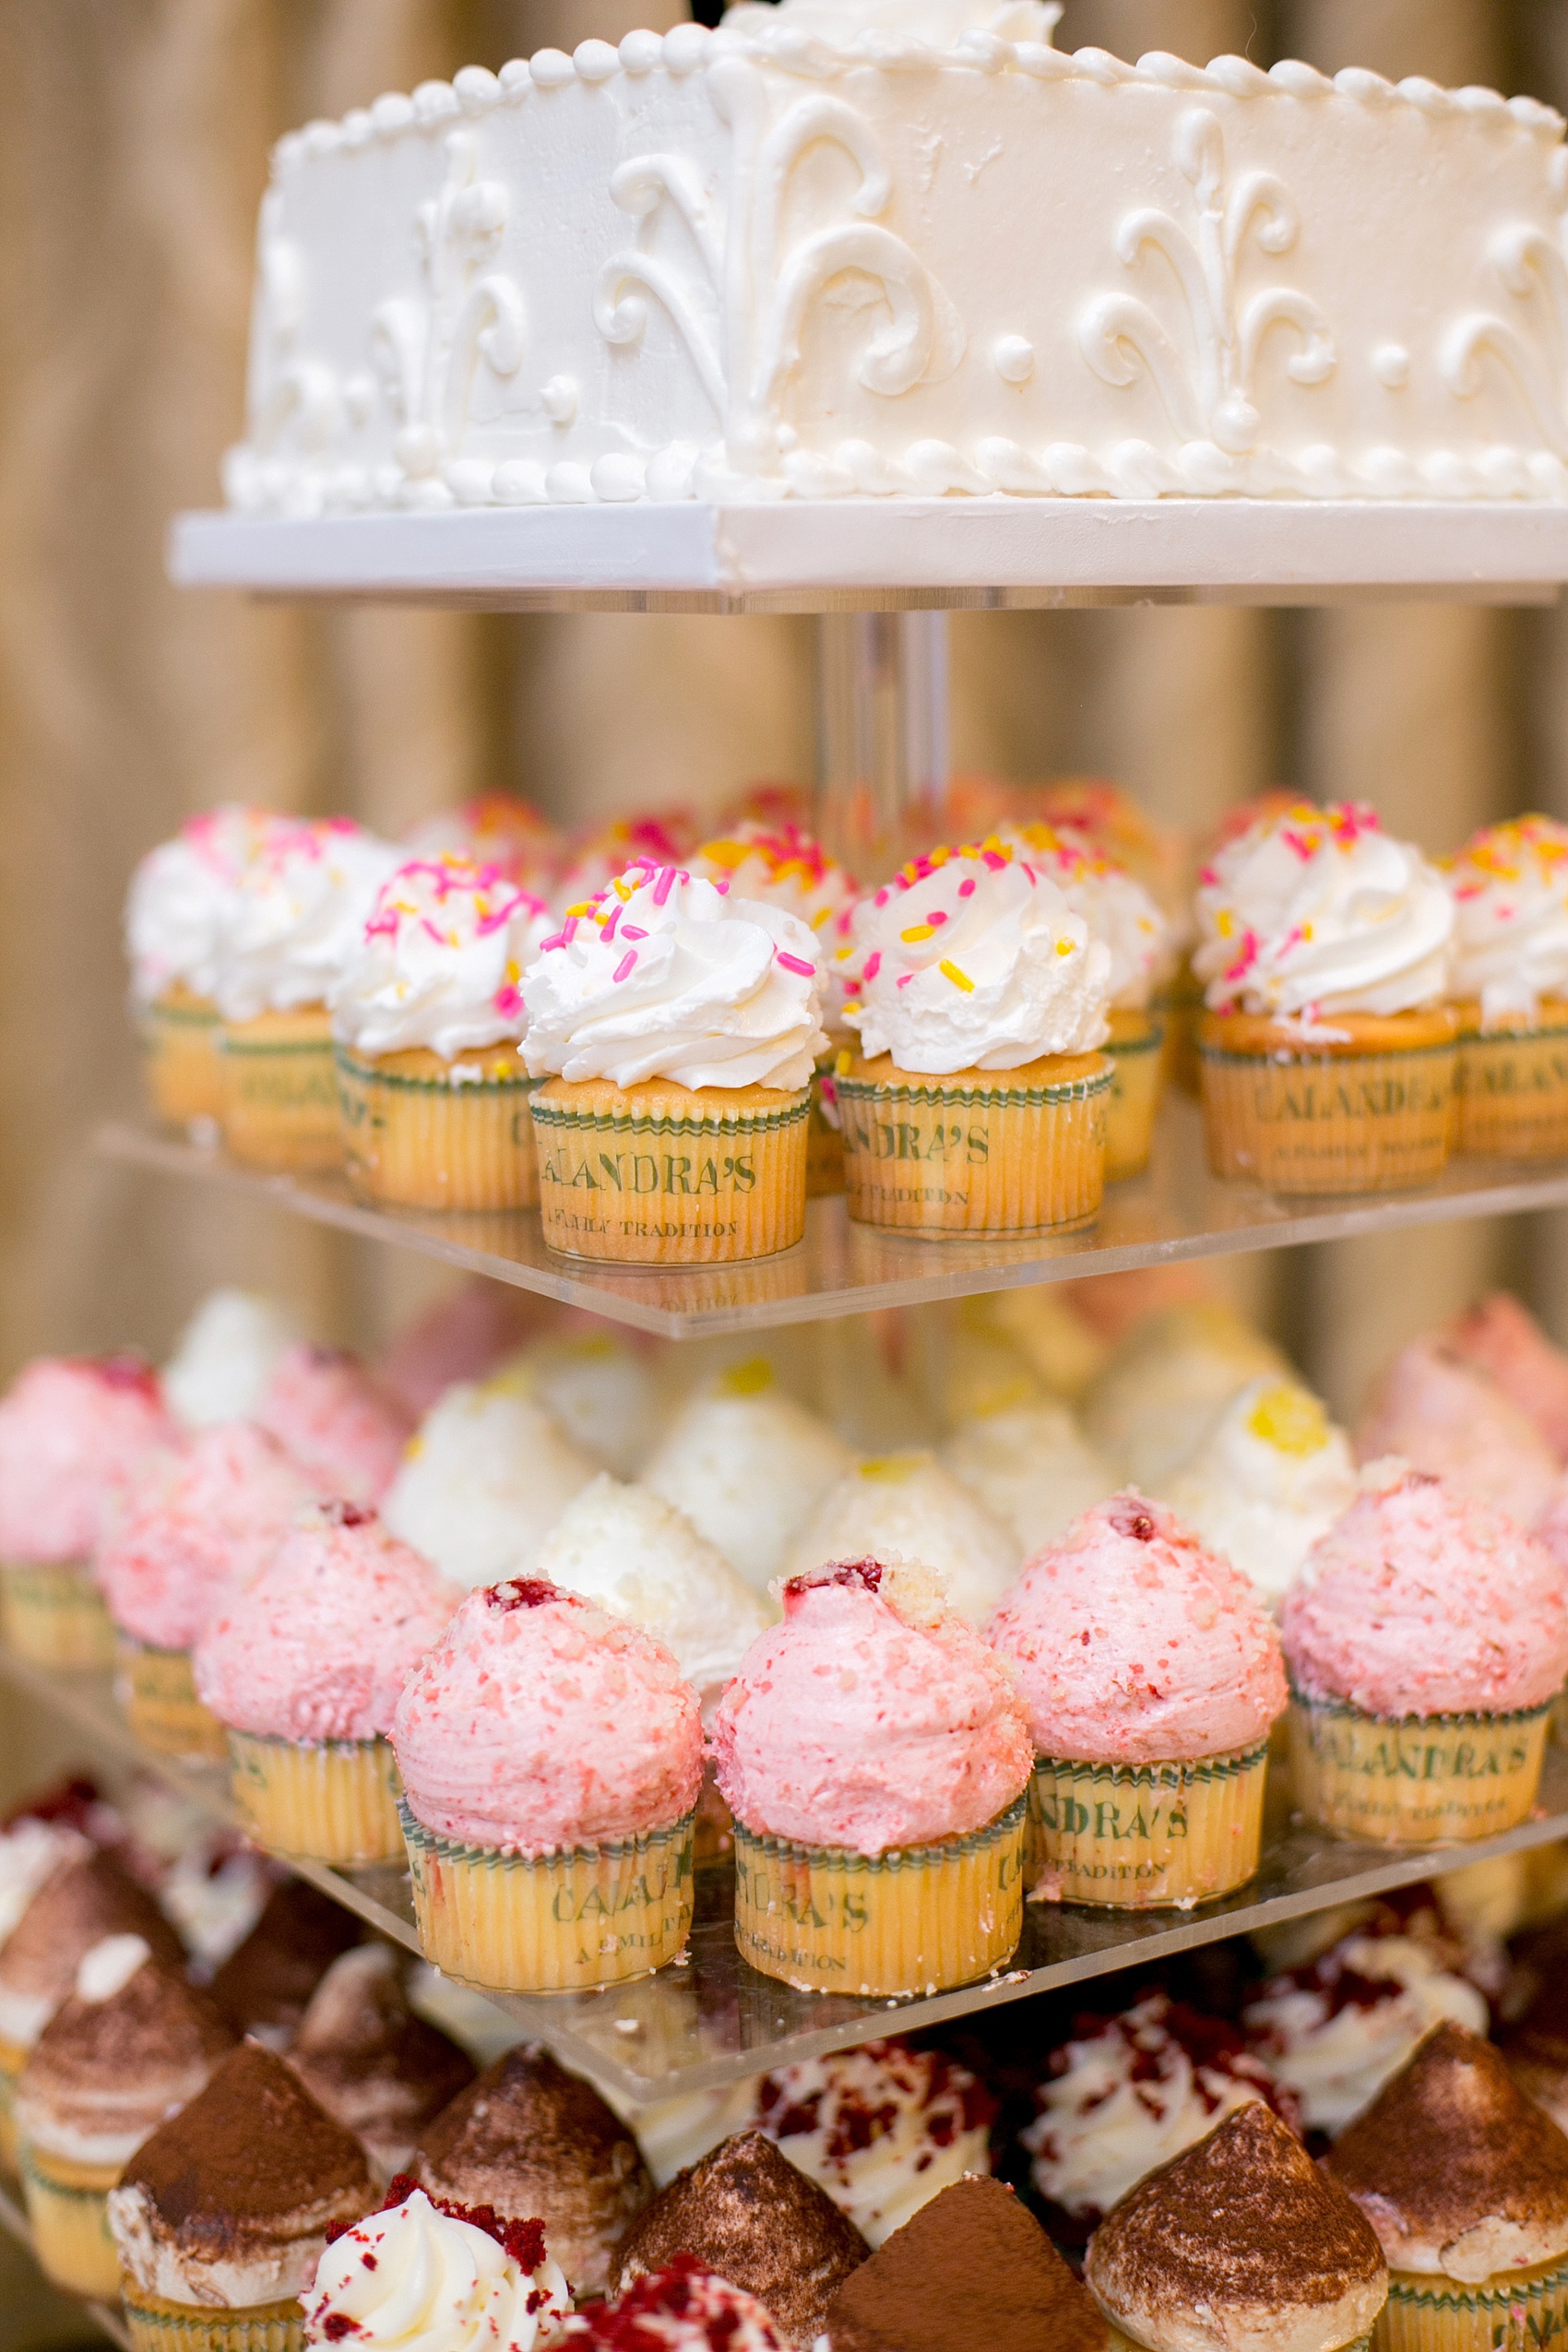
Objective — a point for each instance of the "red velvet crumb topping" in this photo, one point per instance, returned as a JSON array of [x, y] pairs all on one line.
[[346, 1515], [523, 2240], [630, 2322], [125, 1372], [524, 1592], [337, 2325], [866, 1574], [1132, 1520]]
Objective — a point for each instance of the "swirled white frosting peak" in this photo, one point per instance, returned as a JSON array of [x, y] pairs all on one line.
[[442, 961], [667, 975], [423, 2279], [180, 897], [298, 916], [1112, 902], [1316, 911], [969, 959], [1510, 885], [940, 24]]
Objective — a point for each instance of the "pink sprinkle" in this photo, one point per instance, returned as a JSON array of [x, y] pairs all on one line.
[[994, 860], [569, 929], [797, 964], [967, 889], [626, 965], [630, 931], [662, 887], [936, 916], [616, 913], [508, 1002], [556, 939], [426, 925], [874, 965], [906, 978], [882, 898]]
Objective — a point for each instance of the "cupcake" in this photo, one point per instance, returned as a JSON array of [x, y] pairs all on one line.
[[1500, 1336], [420, 2272], [75, 1431], [746, 2213], [977, 1103], [296, 917], [682, 2308], [214, 1891], [1152, 1676], [971, 2267], [551, 1758], [1443, 1415], [1031, 1466], [676, 1028], [206, 1517], [370, 2064], [1426, 1639], [1127, 2094], [1509, 887], [875, 1756], [746, 1464], [267, 1983], [605, 1391], [528, 2139], [1329, 1055], [905, 1506], [1153, 1404], [131, 2047], [303, 1668], [1239, 2242], [222, 2215], [224, 1357], [1272, 1476], [179, 901], [493, 829], [344, 1429], [467, 1334], [426, 1020], [1466, 2182], [483, 1481]]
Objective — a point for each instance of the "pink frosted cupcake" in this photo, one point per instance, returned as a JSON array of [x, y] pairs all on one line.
[[343, 1429], [1152, 1675], [208, 1516], [874, 1754], [304, 1670], [1504, 1338], [74, 1432], [1426, 1639], [1450, 1418], [551, 1758]]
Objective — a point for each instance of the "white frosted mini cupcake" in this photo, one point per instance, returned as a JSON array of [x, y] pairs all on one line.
[[176, 910], [747, 1466], [225, 1356], [1032, 1467], [906, 1506], [1510, 885], [484, 1479]]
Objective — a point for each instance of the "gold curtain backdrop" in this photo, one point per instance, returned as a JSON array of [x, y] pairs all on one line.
[[133, 152]]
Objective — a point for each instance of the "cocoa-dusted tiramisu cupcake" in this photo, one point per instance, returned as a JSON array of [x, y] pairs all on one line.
[[971, 2268], [267, 1983], [537, 2143], [376, 2068], [1240, 2241], [745, 2213], [222, 2215]]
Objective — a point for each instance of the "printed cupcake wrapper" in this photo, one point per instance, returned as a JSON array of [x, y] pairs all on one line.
[[948, 1156], [1513, 1093], [68, 2208], [336, 1802], [52, 1612], [1136, 1053], [1512, 2311], [280, 1091], [658, 1183], [154, 2325], [1415, 1779], [12, 2060], [161, 1706], [584, 1916], [1146, 1837], [1304, 1123], [180, 1061], [442, 1143], [918, 1919]]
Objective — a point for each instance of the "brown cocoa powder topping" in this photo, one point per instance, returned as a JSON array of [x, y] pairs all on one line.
[[266, 1984], [83, 1902], [156, 2030], [366, 2057], [971, 2268]]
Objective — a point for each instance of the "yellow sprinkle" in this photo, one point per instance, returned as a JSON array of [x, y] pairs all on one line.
[[586, 908], [917, 931], [819, 920], [840, 954], [853, 1006], [623, 890], [1064, 946], [958, 978], [514, 973], [1225, 923], [726, 853], [750, 1379], [844, 1062], [939, 857]]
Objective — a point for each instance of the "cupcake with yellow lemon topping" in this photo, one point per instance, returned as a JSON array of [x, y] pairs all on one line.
[[977, 1102], [1273, 1474], [175, 910], [1510, 886], [426, 1020]]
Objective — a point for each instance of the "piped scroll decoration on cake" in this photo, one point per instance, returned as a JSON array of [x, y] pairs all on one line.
[[1209, 390], [742, 315], [427, 354], [1530, 267], [301, 406]]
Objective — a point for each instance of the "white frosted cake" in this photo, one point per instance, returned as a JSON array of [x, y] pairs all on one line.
[[906, 247]]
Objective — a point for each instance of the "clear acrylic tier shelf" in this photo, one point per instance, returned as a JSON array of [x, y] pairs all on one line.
[[856, 553], [714, 2020], [1177, 1211]]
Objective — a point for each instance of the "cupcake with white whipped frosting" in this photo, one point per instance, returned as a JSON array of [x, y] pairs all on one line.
[[225, 1356], [1329, 1049], [1031, 1466], [483, 1481], [747, 1466], [426, 1017], [424, 2272], [1272, 1476], [606, 1394], [1510, 886], [676, 1027], [493, 829], [179, 901], [906, 1506]]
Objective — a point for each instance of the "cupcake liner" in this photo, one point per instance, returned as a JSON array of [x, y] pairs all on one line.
[[1516, 2310], [582, 1916], [918, 1919], [983, 1152], [1135, 1837], [154, 2325], [1371, 1115], [52, 1612], [1136, 1051], [68, 2207], [280, 1091], [179, 1062], [665, 1175], [1117, 2342], [1415, 1779], [13, 2058], [1513, 1087], [161, 1706], [335, 1801], [422, 1133]]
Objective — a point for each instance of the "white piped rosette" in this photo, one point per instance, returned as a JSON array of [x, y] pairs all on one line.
[[1510, 886], [181, 896], [1113, 903], [298, 915], [440, 962], [415, 2278]]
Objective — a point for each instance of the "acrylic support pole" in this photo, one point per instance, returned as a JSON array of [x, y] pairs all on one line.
[[882, 730]]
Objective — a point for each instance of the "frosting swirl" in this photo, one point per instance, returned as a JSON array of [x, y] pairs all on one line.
[[297, 915], [1113, 903], [180, 898], [427, 2276], [1510, 886], [784, 866], [440, 962], [969, 960], [666, 976], [1316, 911]]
